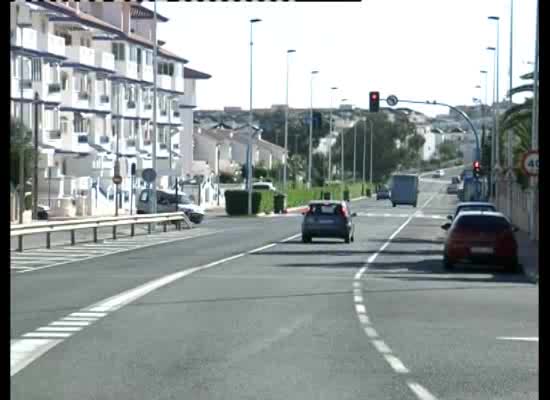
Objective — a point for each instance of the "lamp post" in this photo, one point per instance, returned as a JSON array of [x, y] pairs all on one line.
[[288, 52], [535, 131], [364, 150], [310, 128], [154, 138], [494, 130], [342, 149], [497, 76], [329, 175], [36, 104], [371, 156], [509, 149], [354, 150], [250, 121]]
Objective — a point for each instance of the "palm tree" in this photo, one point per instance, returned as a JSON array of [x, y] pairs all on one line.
[[518, 119]]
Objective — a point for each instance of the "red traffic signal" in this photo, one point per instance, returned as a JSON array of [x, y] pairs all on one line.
[[374, 101], [477, 165]]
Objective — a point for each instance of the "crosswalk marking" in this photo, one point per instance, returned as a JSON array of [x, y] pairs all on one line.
[[35, 259]]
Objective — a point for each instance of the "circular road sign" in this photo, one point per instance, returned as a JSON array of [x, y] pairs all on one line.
[[117, 179], [149, 175], [530, 163], [392, 100]]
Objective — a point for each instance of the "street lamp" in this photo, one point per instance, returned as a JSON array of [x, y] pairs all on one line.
[[330, 136], [249, 158], [342, 149], [310, 128], [497, 76], [495, 124], [288, 52]]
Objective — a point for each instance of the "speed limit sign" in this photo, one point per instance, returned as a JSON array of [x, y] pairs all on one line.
[[530, 163]]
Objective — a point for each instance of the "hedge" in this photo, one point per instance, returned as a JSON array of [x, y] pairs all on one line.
[[236, 201]]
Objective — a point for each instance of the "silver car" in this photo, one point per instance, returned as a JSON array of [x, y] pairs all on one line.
[[328, 219]]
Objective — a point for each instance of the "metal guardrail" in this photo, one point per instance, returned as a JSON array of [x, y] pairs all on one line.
[[48, 228]]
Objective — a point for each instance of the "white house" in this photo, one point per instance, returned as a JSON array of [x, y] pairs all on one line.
[[91, 65]]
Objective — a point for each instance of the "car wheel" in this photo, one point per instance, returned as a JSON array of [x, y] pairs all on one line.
[[447, 265], [513, 266], [393, 204], [347, 239]]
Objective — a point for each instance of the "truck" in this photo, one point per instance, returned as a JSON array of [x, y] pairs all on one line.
[[404, 189]]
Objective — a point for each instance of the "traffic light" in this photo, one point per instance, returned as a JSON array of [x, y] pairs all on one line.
[[374, 101], [477, 169]]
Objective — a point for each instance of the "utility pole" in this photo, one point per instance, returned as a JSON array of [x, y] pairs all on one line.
[[534, 132], [364, 151], [354, 149], [371, 141], [35, 166], [154, 135]]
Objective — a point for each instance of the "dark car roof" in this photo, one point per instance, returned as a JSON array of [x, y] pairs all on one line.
[[481, 213], [475, 203]]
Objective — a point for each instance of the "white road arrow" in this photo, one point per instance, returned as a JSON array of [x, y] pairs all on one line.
[[523, 339]]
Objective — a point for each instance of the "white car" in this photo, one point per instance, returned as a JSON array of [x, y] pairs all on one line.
[[264, 186]]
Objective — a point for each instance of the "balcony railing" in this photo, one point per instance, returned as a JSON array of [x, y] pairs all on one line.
[[104, 139], [54, 88], [104, 99], [25, 84], [82, 139], [54, 134]]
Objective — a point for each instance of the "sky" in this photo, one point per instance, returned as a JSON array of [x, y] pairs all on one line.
[[416, 50]]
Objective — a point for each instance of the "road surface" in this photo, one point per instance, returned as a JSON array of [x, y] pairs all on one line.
[[246, 311]]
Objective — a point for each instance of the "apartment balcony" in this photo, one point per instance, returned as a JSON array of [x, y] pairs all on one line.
[[24, 87], [165, 82], [51, 137], [146, 73], [24, 37], [177, 84], [129, 109], [101, 101], [105, 60], [52, 44], [127, 69], [50, 92], [81, 55]]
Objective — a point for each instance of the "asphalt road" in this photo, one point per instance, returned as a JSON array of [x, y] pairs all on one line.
[[325, 320]]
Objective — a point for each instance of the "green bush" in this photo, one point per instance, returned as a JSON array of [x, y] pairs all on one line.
[[236, 202]]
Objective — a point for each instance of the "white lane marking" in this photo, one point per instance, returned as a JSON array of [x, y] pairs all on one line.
[[22, 359], [25, 351], [381, 346], [364, 319], [20, 267], [358, 299], [88, 314], [357, 292], [396, 364], [421, 392], [108, 252], [70, 323], [523, 339], [360, 309], [47, 335], [69, 318], [288, 239], [59, 329], [261, 248], [371, 332], [51, 253], [357, 284]]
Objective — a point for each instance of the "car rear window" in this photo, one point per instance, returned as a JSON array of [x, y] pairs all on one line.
[[475, 208], [325, 209], [482, 223]]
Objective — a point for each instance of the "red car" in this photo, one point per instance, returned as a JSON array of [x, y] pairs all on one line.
[[484, 237]]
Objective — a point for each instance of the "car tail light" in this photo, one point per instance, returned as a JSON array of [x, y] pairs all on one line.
[[343, 212]]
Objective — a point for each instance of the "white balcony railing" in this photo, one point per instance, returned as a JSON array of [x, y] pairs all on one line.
[[177, 84], [146, 73], [52, 44], [25, 37], [82, 55], [127, 68], [105, 60], [165, 82]]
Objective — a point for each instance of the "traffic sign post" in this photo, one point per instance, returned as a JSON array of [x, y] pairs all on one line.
[[117, 179], [530, 163]]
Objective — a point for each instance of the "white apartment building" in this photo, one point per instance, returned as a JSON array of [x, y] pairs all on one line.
[[91, 65]]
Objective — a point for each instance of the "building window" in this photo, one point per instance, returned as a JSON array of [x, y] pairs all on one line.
[[133, 53], [54, 73], [44, 25], [118, 51], [64, 124], [148, 57]]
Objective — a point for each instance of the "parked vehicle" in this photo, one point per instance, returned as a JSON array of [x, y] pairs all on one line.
[[455, 180], [166, 202], [382, 193], [438, 174], [404, 189], [264, 186], [472, 206], [328, 219], [481, 237], [452, 188]]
